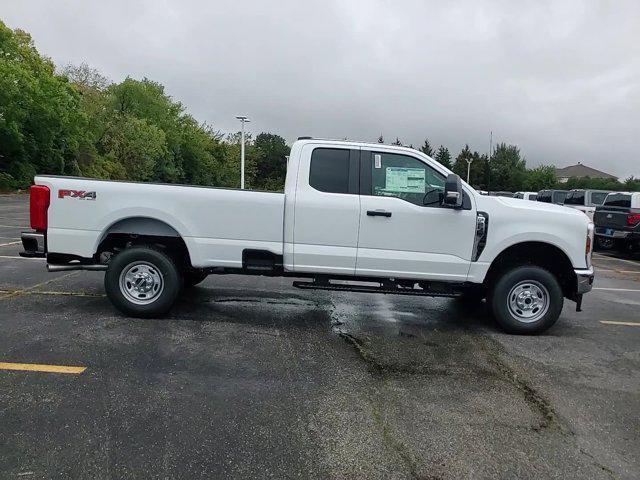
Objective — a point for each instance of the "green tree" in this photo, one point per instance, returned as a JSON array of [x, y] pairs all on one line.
[[477, 172], [426, 148], [39, 115], [136, 147], [444, 157], [540, 178], [271, 167], [460, 164], [507, 168]]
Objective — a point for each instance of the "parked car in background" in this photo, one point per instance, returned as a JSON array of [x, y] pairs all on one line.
[[533, 196], [585, 200], [618, 222], [501, 194], [552, 196]]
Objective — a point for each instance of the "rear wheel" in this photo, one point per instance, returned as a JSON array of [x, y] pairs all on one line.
[[142, 282], [526, 300]]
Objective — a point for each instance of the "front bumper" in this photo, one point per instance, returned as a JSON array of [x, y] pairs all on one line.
[[584, 280], [34, 244]]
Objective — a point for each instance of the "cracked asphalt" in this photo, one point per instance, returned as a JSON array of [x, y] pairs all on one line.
[[249, 377]]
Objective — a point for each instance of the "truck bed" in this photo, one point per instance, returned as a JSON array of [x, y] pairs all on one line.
[[217, 224]]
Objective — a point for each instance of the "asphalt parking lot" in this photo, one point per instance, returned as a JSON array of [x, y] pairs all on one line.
[[251, 378]]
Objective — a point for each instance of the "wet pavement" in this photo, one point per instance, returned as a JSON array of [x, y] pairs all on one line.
[[249, 377]]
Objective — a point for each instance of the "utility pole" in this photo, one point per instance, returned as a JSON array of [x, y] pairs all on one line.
[[243, 120]]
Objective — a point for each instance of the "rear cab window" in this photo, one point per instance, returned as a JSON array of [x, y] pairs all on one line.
[[544, 196], [334, 170], [618, 200], [559, 197], [597, 198], [575, 197]]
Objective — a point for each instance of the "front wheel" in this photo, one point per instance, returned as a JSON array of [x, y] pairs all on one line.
[[142, 282], [526, 300]]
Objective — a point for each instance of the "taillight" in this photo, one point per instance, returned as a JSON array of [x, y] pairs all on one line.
[[38, 205], [633, 219]]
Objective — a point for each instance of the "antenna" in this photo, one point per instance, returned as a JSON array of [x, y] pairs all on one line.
[[489, 161]]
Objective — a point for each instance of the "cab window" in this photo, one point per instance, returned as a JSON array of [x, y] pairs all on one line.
[[597, 198], [575, 197], [405, 177], [334, 170]]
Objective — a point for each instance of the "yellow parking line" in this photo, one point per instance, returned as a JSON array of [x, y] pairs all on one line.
[[34, 367], [626, 324]]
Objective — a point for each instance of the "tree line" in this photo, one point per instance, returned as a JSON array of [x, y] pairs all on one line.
[[506, 170], [74, 121]]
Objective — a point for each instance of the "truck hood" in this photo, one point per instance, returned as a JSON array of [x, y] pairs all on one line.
[[520, 204]]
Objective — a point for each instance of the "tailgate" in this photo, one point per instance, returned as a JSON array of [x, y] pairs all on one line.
[[611, 217]]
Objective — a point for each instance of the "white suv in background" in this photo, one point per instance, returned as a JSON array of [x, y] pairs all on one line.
[[585, 200], [533, 196]]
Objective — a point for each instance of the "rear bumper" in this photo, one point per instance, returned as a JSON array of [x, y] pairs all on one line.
[[34, 244], [584, 280], [618, 233]]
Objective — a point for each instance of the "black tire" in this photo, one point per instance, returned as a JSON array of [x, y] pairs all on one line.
[[193, 278], [156, 264], [522, 291], [604, 243]]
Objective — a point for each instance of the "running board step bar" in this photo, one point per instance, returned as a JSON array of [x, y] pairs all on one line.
[[386, 289]]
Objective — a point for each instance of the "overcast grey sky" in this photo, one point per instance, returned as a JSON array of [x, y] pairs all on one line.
[[561, 79]]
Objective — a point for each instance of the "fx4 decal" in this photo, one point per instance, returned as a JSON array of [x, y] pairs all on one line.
[[81, 194]]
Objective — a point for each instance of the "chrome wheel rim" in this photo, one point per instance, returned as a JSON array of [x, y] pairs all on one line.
[[141, 283], [528, 301]]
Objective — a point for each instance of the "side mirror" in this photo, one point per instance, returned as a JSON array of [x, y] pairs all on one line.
[[452, 192]]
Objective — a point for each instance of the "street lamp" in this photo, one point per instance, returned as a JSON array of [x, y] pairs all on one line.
[[243, 120], [469, 160]]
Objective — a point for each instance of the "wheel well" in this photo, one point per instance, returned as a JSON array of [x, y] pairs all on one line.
[[542, 254], [143, 231]]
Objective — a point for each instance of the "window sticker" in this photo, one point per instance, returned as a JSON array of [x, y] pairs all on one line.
[[405, 180], [377, 160]]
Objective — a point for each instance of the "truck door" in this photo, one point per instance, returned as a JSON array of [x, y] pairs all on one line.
[[327, 210], [404, 232]]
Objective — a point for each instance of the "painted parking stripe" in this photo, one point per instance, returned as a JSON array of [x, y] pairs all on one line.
[[10, 243], [598, 269], [624, 260], [617, 289], [35, 367], [626, 324], [26, 258]]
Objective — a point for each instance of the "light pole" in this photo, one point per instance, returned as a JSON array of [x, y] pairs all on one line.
[[469, 160], [243, 120]]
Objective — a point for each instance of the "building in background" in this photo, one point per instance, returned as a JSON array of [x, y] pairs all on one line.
[[581, 171]]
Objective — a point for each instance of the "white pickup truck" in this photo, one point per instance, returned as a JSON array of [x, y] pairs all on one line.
[[354, 216]]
